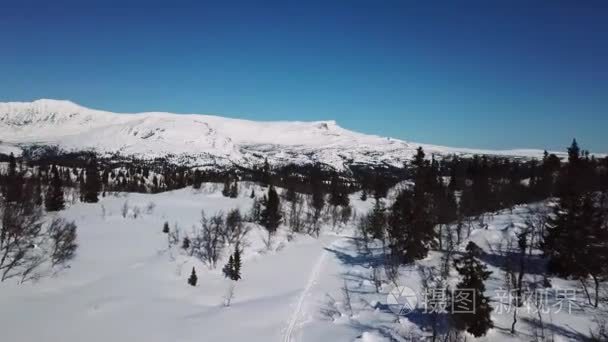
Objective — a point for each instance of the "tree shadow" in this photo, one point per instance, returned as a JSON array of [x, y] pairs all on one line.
[[562, 330]]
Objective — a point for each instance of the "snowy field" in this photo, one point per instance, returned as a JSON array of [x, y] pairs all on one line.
[[126, 284]]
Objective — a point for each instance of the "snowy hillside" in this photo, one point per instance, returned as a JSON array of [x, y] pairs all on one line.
[[205, 139], [127, 284]]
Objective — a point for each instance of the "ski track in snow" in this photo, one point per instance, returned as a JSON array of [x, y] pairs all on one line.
[[314, 274]]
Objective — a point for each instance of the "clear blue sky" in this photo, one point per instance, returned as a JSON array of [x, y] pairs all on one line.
[[490, 74]]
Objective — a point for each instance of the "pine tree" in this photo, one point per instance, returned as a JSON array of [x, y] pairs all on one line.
[[252, 194], [228, 269], [266, 173], [318, 200], [186, 243], [236, 275], [571, 182], [577, 240], [377, 220], [232, 269], [234, 189], [197, 179], [473, 314], [92, 183], [166, 228], [14, 182], [256, 211], [54, 200], [193, 278], [336, 195], [410, 230], [418, 160], [271, 214], [226, 189], [37, 191]]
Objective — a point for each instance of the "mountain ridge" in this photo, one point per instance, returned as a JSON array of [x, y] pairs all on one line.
[[197, 139]]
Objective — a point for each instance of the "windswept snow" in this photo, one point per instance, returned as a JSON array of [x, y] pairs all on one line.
[[206, 139]]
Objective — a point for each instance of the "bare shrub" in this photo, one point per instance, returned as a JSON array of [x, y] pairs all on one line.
[[208, 241], [63, 241]]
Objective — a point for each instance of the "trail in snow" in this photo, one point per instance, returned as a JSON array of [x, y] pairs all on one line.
[[314, 274]]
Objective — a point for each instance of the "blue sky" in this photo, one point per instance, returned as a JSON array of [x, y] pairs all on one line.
[[488, 74]]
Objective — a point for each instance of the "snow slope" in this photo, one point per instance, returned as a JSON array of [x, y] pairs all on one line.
[[125, 284], [205, 139]]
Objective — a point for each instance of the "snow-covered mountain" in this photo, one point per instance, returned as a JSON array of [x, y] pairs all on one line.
[[205, 139]]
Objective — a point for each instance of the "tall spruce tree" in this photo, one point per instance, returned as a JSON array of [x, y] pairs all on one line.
[[228, 269], [92, 182], [337, 195], [54, 200], [193, 279], [236, 275], [412, 218], [577, 240], [197, 179], [473, 307], [271, 214], [232, 269], [377, 220], [14, 181], [318, 202]]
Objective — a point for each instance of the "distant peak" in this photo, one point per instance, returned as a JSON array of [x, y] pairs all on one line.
[[44, 104], [326, 124]]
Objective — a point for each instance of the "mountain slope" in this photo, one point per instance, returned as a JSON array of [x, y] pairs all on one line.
[[205, 139]]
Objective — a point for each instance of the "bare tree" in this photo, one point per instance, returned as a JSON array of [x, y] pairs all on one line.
[[19, 234], [229, 294], [235, 231], [125, 209], [536, 220], [296, 208], [347, 299], [63, 241], [208, 242]]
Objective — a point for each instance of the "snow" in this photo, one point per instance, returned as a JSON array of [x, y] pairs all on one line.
[[125, 284], [204, 139]]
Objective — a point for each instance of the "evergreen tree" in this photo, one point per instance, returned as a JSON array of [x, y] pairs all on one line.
[[226, 189], [271, 214], [256, 211], [337, 197], [232, 269], [473, 314], [411, 233], [377, 220], [92, 183], [318, 199], [363, 195], [252, 194], [37, 191], [193, 278], [571, 183], [197, 179], [418, 160], [236, 275], [265, 179], [186, 243], [234, 189], [54, 200], [228, 269], [166, 228], [14, 182], [577, 240]]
